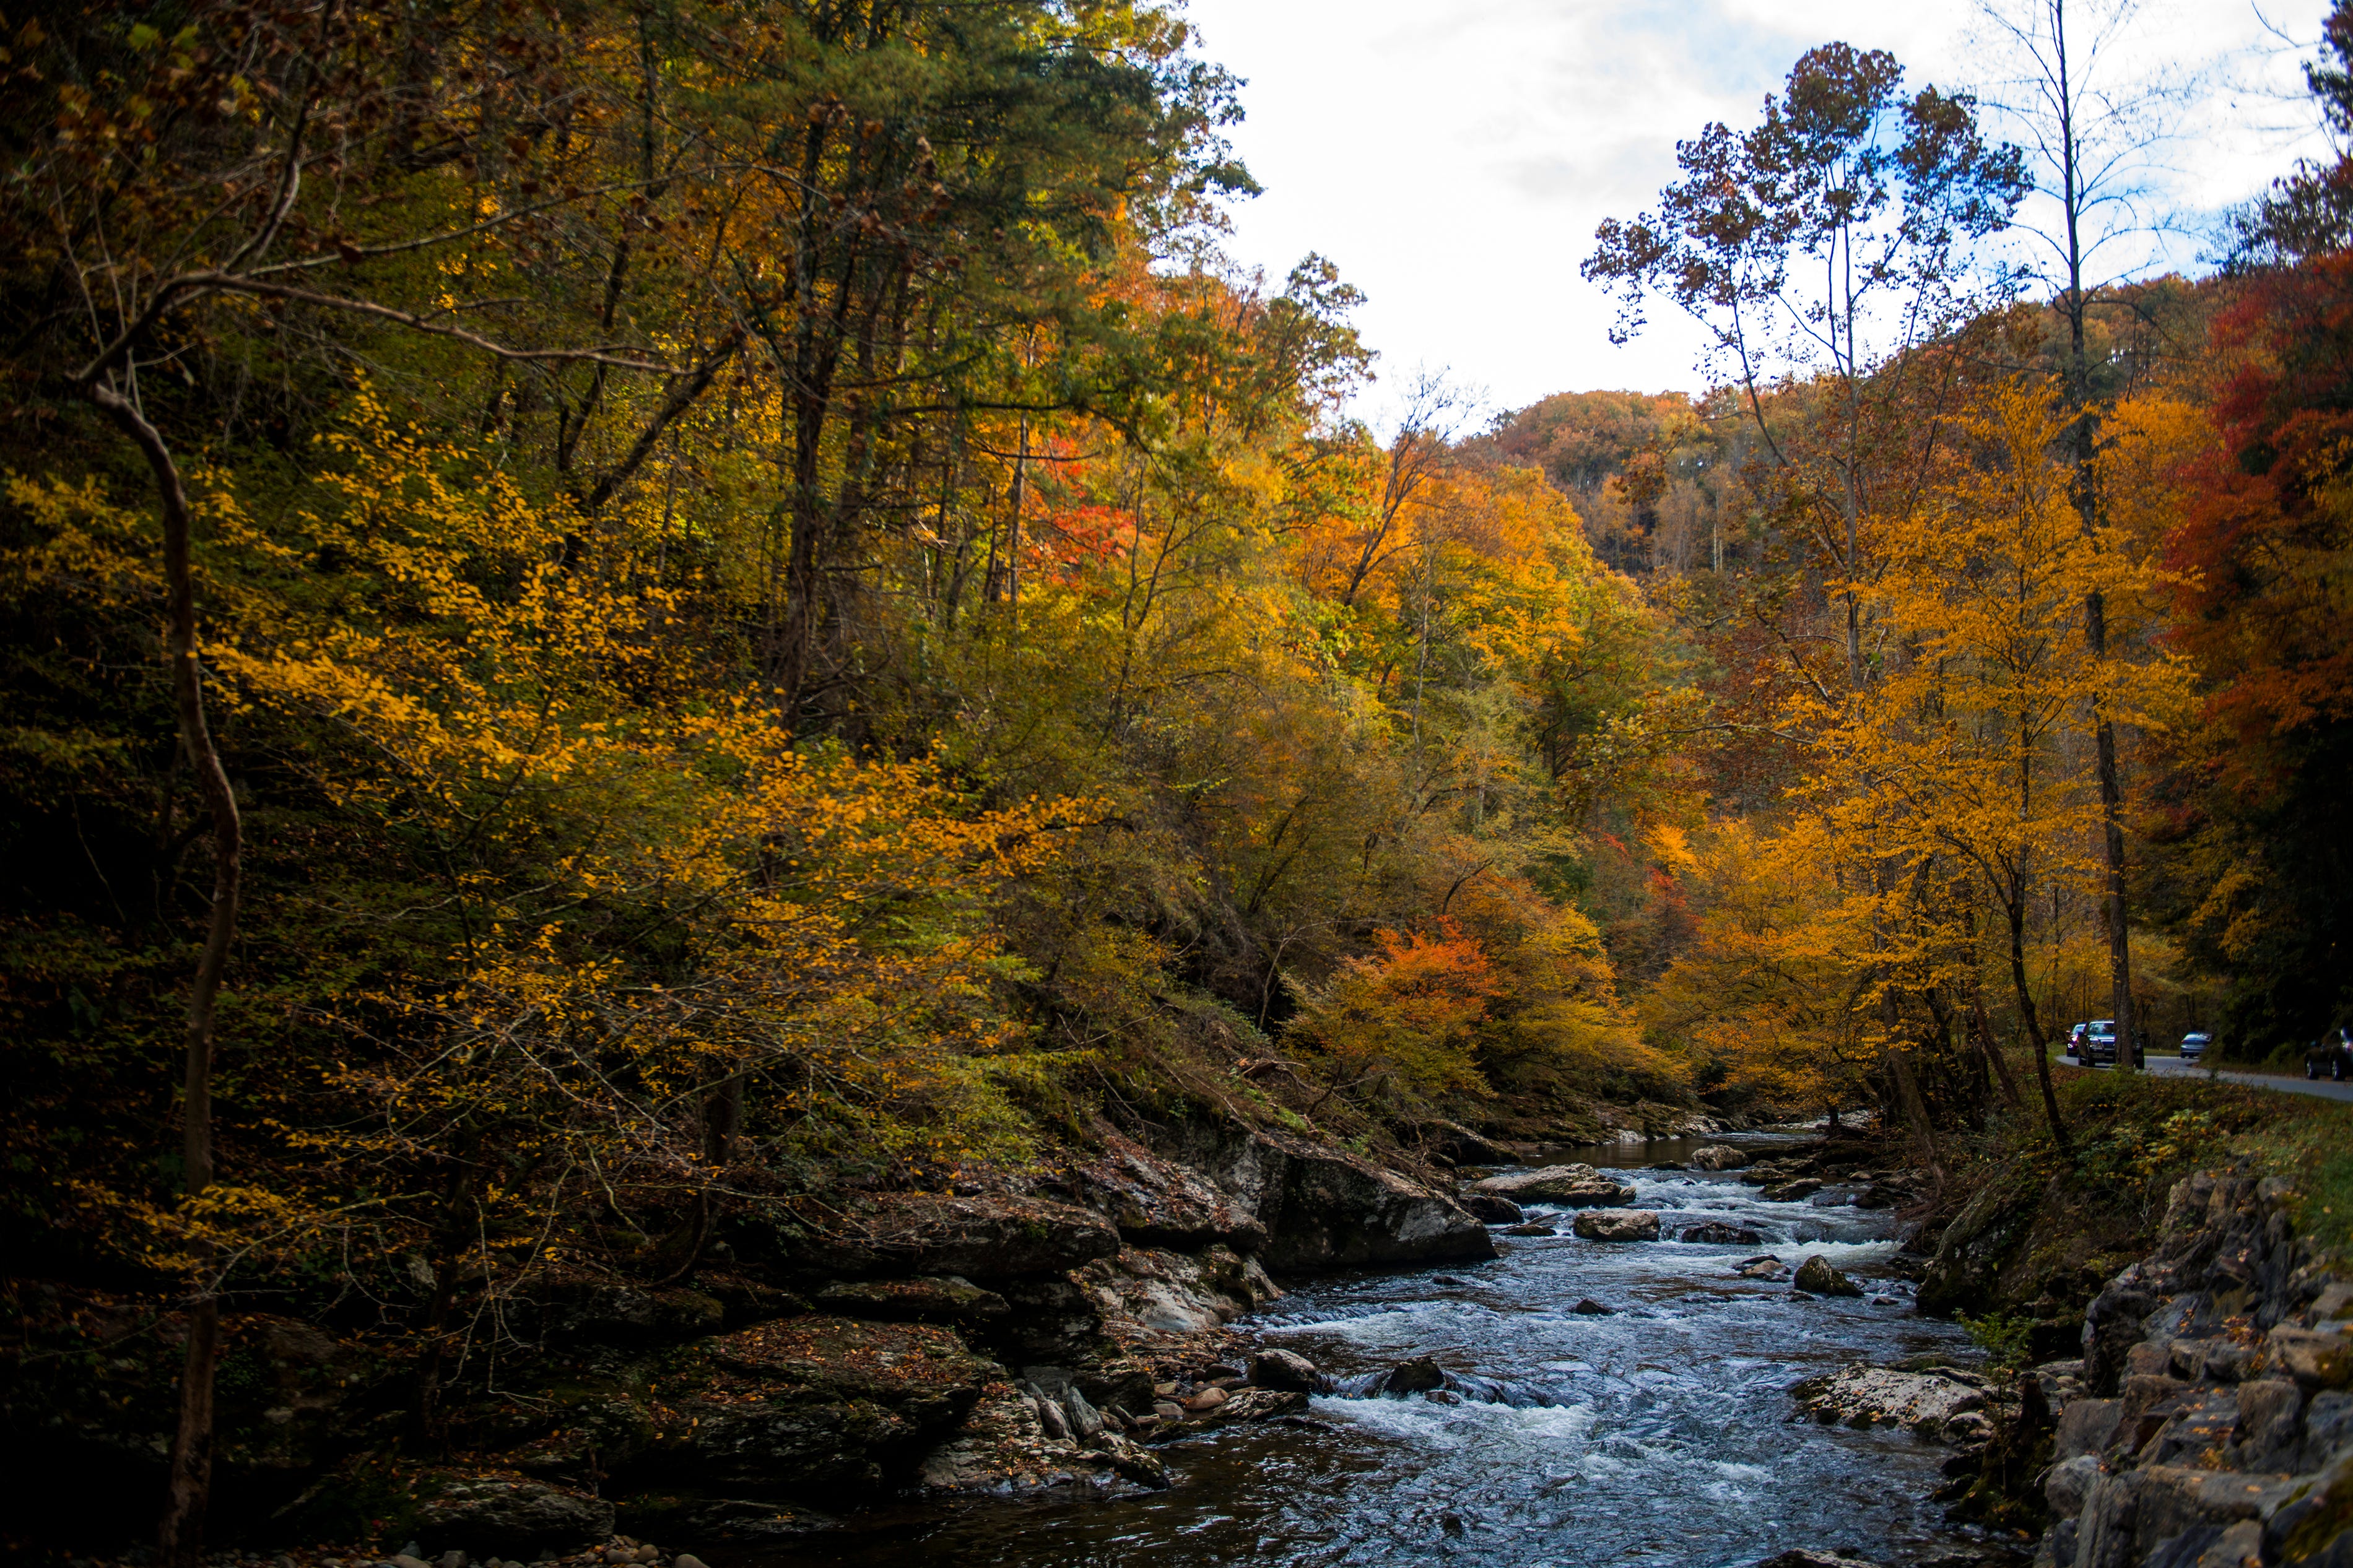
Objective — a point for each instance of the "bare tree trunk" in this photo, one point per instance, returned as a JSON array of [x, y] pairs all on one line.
[[181, 1537], [2015, 906]]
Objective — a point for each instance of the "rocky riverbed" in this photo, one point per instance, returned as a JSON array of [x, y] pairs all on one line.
[[1573, 1400], [1694, 1354]]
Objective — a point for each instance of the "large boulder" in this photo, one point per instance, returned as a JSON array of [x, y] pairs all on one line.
[[1718, 1157], [1019, 1440], [1325, 1207], [1153, 1296], [1571, 1186], [1619, 1225], [813, 1405], [1716, 1233], [1156, 1202]]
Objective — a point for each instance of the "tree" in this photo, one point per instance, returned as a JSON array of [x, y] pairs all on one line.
[[1832, 241], [1970, 731], [2092, 142]]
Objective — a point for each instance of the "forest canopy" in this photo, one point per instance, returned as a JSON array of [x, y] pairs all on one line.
[[620, 618]]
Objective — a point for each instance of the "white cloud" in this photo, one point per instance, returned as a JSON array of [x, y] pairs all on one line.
[[1454, 160]]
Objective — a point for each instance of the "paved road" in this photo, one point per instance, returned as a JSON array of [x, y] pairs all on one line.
[[2174, 1066]]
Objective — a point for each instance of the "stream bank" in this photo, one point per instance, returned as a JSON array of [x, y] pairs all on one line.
[[1654, 1426]]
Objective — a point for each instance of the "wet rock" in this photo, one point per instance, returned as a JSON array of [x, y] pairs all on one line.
[[1935, 1406], [1763, 1268], [1206, 1399], [1415, 1375], [1816, 1275], [1534, 1227], [1718, 1157], [1004, 1446], [1790, 1192], [1085, 1420], [1589, 1307], [1571, 1186], [1257, 1404], [1285, 1370], [1618, 1225], [506, 1512], [1811, 1557], [1716, 1233], [1489, 1209], [929, 1299]]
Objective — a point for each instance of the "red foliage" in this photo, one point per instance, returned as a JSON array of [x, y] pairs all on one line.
[[2265, 534]]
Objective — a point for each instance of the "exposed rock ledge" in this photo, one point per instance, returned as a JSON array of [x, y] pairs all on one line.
[[2216, 1429]]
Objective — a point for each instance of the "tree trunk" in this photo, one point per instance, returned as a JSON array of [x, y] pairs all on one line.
[[2015, 906], [181, 1537], [1916, 1112]]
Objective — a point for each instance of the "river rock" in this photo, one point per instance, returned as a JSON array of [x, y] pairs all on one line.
[[1931, 1405], [1252, 1404], [1158, 1296], [1618, 1225], [1489, 1209], [1534, 1227], [1588, 1307], [1718, 1157], [493, 1511], [1325, 1207], [1004, 1446], [1415, 1375], [1812, 1557], [1763, 1268], [1790, 1192], [1816, 1275], [1157, 1202], [1285, 1370], [1571, 1186], [1716, 1233]]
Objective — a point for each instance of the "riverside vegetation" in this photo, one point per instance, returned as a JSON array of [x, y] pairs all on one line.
[[728, 786]]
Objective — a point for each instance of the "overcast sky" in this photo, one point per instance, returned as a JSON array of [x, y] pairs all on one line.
[[1454, 158]]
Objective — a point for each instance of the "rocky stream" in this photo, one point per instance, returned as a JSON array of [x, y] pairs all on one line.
[[1570, 1401]]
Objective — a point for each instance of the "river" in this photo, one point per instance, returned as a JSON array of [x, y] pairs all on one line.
[[1657, 1434]]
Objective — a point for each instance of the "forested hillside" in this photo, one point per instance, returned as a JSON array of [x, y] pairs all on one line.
[[621, 622]]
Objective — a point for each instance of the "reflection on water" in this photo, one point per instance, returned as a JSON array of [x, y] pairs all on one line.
[[1659, 1434]]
